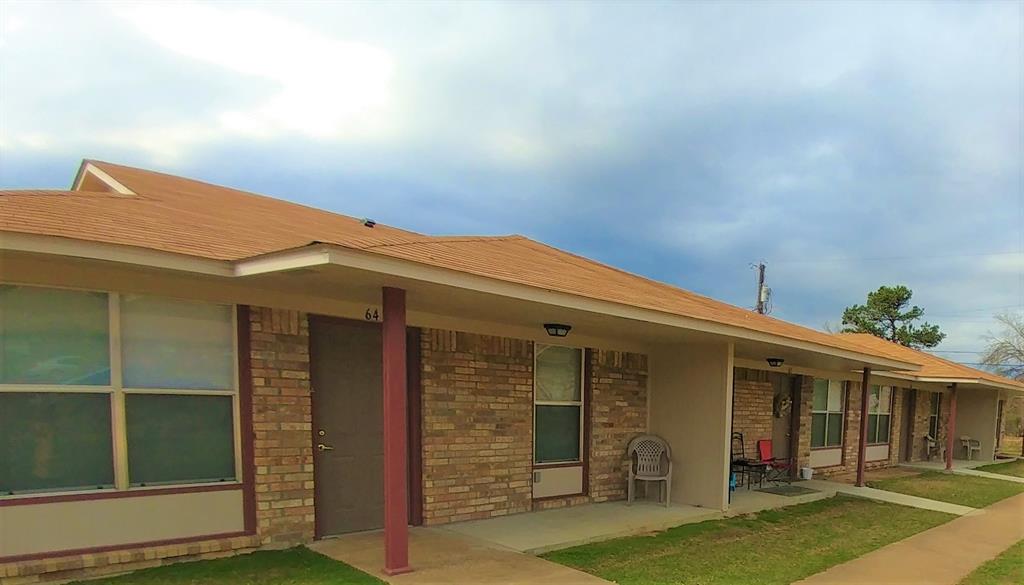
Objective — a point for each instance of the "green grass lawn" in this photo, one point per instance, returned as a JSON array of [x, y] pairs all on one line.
[[966, 490], [775, 546], [1014, 468], [1006, 569], [295, 566]]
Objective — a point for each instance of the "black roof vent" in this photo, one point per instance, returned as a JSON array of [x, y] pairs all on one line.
[[368, 222]]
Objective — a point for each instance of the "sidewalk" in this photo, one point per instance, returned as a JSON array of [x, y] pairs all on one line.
[[891, 497], [940, 556]]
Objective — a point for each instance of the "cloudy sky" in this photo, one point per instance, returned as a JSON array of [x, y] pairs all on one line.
[[846, 145]]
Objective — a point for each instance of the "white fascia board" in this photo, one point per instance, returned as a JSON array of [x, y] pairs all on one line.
[[59, 246], [279, 262], [111, 182], [416, 271]]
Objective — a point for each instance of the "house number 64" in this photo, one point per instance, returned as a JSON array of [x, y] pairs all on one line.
[[372, 314]]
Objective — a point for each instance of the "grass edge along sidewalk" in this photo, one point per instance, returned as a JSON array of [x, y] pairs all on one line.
[[1011, 468], [293, 566], [965, 490], [1006, 569], [774, 546]]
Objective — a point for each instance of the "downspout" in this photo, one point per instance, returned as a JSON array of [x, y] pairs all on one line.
[[862, 445]]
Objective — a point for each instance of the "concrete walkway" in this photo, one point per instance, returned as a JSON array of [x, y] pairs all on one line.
[[940, 556], [891, 497], [440, 557], [968, 470]]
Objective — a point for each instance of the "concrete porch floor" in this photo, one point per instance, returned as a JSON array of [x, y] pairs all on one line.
[[547, 530], [441, 557]]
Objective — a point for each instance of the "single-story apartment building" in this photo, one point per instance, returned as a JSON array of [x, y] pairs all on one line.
[[814, 418], [188, 370]]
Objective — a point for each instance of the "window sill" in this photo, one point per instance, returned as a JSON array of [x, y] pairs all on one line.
[[829, 448], [111, 494], [558, 464]]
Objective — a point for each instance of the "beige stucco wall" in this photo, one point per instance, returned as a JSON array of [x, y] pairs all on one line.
[[976, 418], [690, 391], [96, 523]]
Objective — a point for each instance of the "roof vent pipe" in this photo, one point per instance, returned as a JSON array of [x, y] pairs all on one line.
[[368, 222]]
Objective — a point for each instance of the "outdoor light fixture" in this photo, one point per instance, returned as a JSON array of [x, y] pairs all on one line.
[[775, 362], [557, 329]]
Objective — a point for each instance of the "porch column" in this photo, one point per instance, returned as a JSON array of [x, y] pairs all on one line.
[[951, 427], [396, 502], [863, 444]]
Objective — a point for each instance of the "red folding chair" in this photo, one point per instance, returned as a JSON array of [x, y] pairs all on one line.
[[778, 470]]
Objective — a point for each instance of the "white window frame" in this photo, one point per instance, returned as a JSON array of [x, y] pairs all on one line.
[[876, 412], [935, 413], [117, 393], [579, 403], [842, 412]]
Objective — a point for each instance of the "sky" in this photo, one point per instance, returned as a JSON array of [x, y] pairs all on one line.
[[846, 145]]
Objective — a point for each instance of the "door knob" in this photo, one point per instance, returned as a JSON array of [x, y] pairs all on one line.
[[321, 447]]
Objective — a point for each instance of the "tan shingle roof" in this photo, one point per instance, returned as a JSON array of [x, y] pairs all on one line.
[[932, 366], [174, 214]]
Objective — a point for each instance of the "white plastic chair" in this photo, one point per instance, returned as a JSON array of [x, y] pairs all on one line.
[[970, 446], [650, 459]]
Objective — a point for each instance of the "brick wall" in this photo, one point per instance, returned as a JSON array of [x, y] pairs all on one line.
[[88, 566], [618, 412], [282, 422], [477, 425], [752, 407], [851, 432]]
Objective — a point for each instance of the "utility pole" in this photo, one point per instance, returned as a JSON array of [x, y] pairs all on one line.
[[761, 296]]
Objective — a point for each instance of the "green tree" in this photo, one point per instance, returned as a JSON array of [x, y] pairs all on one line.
[[1005, 351], [888, 314]]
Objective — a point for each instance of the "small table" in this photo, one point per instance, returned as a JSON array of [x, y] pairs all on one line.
[[751, 471]]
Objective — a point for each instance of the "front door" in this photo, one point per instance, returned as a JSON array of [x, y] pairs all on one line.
[[782, 412], [999, 424], [348, 429]]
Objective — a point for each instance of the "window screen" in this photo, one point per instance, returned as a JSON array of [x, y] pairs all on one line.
[[53, 336], [179, 439], [55, 441], [879, 414], [168, 343], [558, 433]]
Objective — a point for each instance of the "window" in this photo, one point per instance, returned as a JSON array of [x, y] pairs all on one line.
[[105, 391], [827, 410], [558, 404], [933, 415], [879, 414], [50, 336]]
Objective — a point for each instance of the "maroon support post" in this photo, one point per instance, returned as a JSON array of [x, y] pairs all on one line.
[[396, 502], [865, 392], [951, 427]]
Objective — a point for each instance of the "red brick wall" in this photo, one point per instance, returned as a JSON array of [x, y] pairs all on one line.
[[618, 412], [477, 425], [752, 415], [851, 432], [282, 420]]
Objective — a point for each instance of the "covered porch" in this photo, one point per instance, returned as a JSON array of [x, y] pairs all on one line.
[[548, 530]]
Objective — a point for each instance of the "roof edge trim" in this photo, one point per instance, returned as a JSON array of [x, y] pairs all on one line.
[[373, 262], [88, 168]]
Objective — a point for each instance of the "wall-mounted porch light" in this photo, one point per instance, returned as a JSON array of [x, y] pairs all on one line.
[[557, 329], [775, 362]]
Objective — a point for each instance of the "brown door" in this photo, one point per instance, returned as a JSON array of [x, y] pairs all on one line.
[[907, 424], [999, 424], [782, 411], [348, 430]]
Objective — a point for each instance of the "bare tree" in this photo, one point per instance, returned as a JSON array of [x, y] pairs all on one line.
[[1005, 351]]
